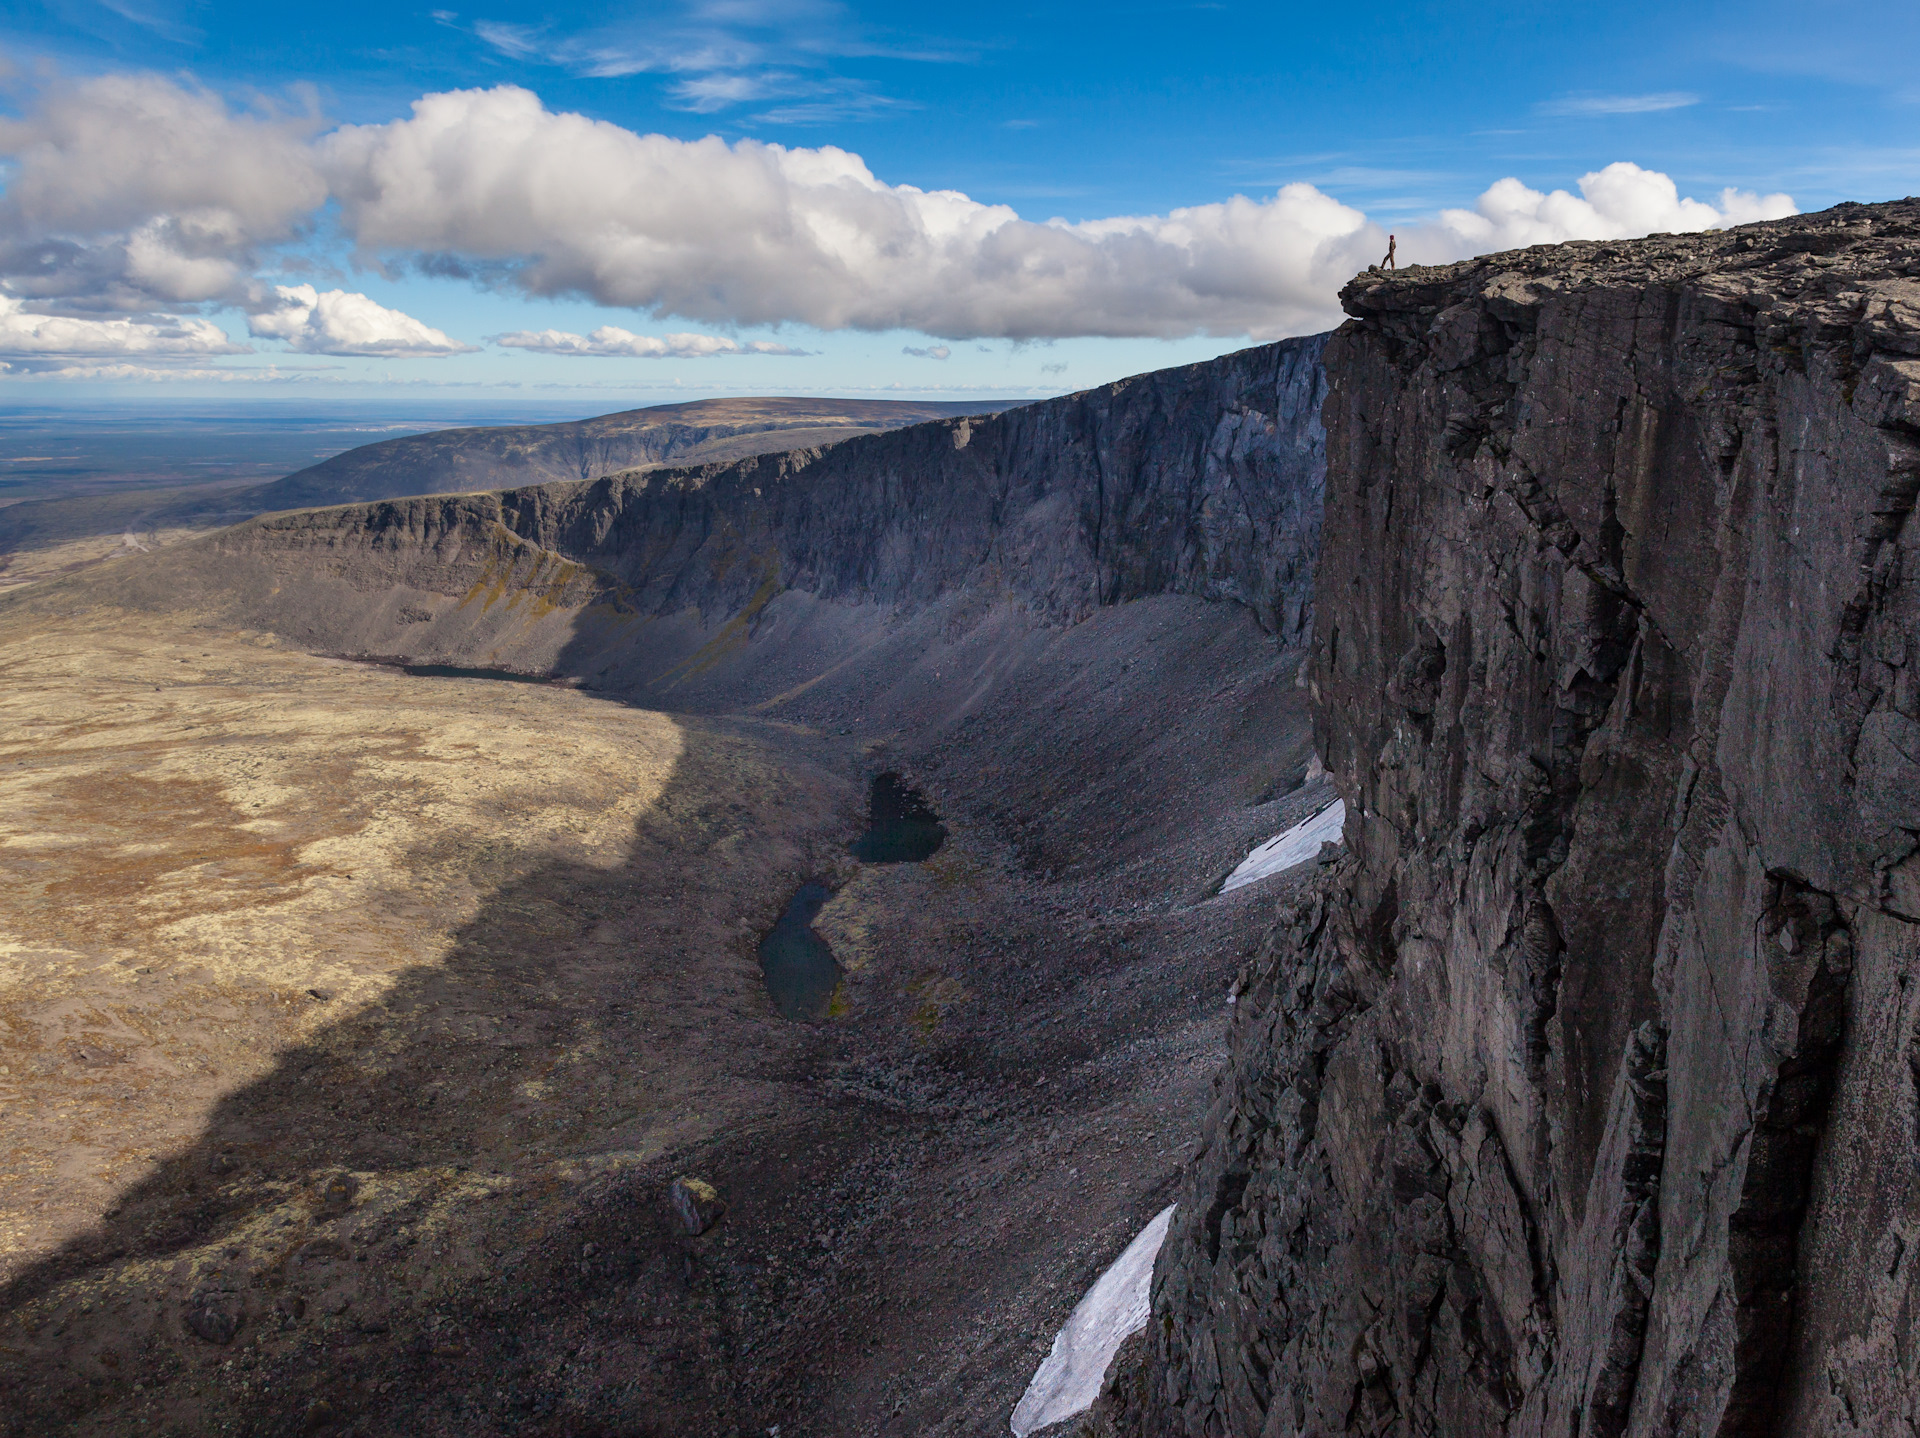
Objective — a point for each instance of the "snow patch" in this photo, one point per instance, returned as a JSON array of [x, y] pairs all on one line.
[[1295, 846], [1068, 1379]]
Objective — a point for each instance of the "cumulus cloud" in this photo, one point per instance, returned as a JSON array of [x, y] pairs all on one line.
[[1615, 203], [612, 341], [40, 337], [753, 233], [340, 322], [938, 352], [135, 190], [133, 193]]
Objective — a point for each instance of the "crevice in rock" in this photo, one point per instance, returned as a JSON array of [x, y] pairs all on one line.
[[1806, 1023]]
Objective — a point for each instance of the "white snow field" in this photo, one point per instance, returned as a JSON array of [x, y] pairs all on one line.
[[1293, 846], [1068, 1378]]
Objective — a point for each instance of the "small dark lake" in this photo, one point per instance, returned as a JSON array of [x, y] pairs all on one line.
[[801, 970], [901, 826]]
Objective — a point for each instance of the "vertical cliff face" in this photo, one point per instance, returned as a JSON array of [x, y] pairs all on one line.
[[1204, 480], [1581, 1098]]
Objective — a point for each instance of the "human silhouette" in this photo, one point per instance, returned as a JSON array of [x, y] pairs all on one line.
[[1388, 261]]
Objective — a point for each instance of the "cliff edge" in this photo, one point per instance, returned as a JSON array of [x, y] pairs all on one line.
[[717, 584], [1580, 1099]]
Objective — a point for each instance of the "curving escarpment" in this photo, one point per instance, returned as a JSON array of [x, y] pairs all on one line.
[[1581, 1099], [1201, 481]]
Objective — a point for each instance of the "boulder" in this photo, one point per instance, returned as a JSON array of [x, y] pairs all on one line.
[[697, 1204], [214, 1314]]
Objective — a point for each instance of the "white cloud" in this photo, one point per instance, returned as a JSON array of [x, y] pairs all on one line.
[[938, 352], [340, 322], [138, 190], [611, 340], [27, 336], [167, 374], [730, 53], [132, 193], [1593, 106], [752, 233], [1618, 202]]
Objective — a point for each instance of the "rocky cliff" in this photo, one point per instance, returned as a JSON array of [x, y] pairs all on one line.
[[1581, 1098], [1202, 480], [453, 461]]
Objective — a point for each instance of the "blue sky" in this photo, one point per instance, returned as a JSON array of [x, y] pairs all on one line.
[[1079, 113]]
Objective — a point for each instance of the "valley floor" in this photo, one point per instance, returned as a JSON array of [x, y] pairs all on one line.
[[357, 1023]]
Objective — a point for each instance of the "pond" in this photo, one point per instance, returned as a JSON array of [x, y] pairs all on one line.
[[800, 968], [901, 826]]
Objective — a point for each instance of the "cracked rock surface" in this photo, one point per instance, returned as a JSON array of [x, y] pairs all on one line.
[[1580, 1099]]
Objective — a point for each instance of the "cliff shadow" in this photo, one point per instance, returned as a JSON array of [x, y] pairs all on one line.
[[445, 1210]]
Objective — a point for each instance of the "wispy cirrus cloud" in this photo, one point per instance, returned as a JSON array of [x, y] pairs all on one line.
[[723, 54], [1597, 106]]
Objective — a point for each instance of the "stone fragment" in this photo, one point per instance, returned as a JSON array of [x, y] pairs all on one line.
[[214, 1314], [333, 1194], [697, 1204]]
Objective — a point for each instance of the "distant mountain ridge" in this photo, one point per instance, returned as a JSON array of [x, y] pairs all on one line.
[[452, 461]]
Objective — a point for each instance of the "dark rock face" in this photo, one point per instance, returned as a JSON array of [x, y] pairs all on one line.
[[712, 431], [1581, 1098], [1203, 481]]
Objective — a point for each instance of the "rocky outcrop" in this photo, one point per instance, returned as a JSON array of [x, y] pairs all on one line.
[[1581, 1098]]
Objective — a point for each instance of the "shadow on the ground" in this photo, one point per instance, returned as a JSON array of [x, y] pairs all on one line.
[[444, 1212]]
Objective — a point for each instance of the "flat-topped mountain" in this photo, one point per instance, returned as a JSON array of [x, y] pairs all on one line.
[[486, 457], [707, 431]]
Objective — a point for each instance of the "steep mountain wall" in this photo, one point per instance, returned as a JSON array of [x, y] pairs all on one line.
[[1581, 1098], [456, 461], [1203, 481]]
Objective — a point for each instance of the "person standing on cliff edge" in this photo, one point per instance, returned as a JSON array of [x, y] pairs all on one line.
[[1388, 261]]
